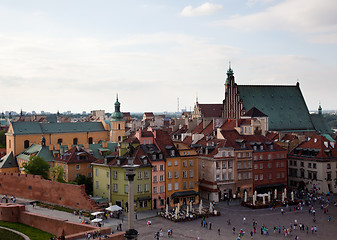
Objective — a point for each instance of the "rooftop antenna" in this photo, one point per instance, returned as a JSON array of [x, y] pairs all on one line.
[[197, 100]]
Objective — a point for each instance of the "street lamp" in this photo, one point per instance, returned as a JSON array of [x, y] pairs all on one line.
[[131, 233]]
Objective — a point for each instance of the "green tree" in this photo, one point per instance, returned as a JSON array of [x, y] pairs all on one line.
[[36, 166], [81, 179], [56, 173], [2, 139]]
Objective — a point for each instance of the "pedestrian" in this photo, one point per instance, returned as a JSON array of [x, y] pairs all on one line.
[[233, 230], [210, 226], [251, 234], [329, 218], [120, 226], [168, 233], [244, 220], [219, 231], [202, 223]]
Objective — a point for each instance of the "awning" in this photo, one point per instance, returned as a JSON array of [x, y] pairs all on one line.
[[96, 213], [184, 194], [113, 208], [144, 198], [275, 185]]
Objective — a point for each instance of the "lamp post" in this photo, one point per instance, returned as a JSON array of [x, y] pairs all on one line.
[[131, 233]]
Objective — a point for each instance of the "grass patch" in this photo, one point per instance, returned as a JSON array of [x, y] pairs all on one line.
[[32, 233], [8, 235]]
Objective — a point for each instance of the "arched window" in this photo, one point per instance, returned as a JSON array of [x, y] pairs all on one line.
[[119, 126], [119, 138], [75, 141], [26, 144], [59, 141], [90, 140]]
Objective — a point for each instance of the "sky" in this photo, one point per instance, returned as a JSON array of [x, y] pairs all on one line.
[[76, 55]]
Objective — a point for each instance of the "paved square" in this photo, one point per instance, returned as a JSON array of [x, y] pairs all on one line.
[[236, 213]]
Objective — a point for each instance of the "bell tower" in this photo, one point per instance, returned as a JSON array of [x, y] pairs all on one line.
[[117, 131]]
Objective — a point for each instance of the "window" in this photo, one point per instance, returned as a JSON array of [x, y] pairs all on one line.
[[224, 176], [261, 166], [249, 175], [176, 174], [224, 164], [176, 163], [314, 165], [97, 185], [328, 166], [161, 189], [217, 177], [96, 172], [115, 187], [90, 140], [161, 178], [328, 176], [140, 188], [115, 174], [146, 174], [191, 184], [161, 167], [119, 126], [191, 173], [269, 176], [184, 185], [277, 164], [154, 189], [89, 175], [155, 179], [155, 168], [172, 153], [239, 165], [239, 176], [26, 144], [169, 175], [78, 167], [176, 186], [269, 156], [230, 176], [261, 176], [302, 164], [256, 177], [146, 187], [59, 141], [249, 165], [169, 187], [282, 174], [269, 165], [139, 175], [256, 166], [126, 188], [184, 163], [261, 157], [169, 163], [107, 187], [75, 141], [191, 163], [184, 174], [255, 157], [295, 163], [107, 174], [309, 165], [239, 155], [282, 164]]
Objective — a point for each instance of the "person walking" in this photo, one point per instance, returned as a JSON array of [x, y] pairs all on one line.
[[219, 231], [210, 226], [233, 230]]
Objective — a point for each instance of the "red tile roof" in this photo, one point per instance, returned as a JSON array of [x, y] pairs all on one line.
[[211, 110], [76, 155]]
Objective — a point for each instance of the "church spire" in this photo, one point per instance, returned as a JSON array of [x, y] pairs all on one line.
[[117, 115], [319, 109], [230, 73]]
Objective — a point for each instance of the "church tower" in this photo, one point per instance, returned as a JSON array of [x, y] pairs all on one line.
[[232, 102], [117, 131]]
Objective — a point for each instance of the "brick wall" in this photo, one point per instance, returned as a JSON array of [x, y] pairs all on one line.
[[35, 188]]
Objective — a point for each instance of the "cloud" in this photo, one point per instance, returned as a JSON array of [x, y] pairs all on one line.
[[299, 16], [203, 10]]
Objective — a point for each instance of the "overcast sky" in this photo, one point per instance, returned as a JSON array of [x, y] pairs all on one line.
[[77, 54]]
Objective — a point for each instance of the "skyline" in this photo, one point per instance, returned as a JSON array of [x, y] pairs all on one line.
[[61, 55]]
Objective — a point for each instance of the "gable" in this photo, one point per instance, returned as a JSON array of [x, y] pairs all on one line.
[[284, 105]]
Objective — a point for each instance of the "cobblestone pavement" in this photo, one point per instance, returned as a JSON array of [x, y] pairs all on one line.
[[236, 213]]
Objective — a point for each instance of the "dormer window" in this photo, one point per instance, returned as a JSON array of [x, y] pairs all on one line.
[[154, 157], [172, 153], [118, 162]]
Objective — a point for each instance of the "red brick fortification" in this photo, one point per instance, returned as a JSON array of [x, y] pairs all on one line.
[[36, 188], [10, 212]]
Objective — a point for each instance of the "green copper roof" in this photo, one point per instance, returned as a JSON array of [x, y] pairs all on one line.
[[37, 150], [8, 161], [117, 115], [284, 105], [21, 128], [320, 124]]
